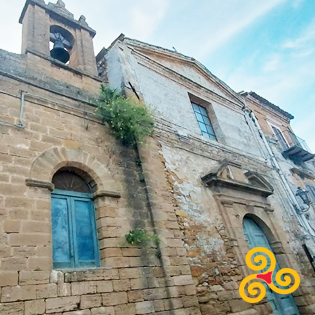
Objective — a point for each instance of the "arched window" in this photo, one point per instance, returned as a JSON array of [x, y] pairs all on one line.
[[74, 234]]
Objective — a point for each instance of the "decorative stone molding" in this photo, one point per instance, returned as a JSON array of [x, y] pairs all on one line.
[[268, 209], [252, 182], [49, 162], [303, 174], [38, 183], [106, 193]]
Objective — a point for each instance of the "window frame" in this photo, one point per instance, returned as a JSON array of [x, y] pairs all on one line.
[[204, 113], [271, 125]]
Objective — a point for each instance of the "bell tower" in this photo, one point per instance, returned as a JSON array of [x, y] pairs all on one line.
[[50, 31]]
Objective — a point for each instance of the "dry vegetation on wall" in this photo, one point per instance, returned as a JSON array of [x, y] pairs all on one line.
[[130, 122]]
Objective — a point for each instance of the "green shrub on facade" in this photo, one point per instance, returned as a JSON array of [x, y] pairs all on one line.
[[130, 122], [139, 236]]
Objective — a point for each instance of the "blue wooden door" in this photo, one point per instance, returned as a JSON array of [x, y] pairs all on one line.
[[281, 304], [74, 235]]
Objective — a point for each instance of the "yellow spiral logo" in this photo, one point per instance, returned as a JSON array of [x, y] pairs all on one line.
[[255, 287]]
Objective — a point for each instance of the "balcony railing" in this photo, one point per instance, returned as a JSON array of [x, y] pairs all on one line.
[[296, 148]]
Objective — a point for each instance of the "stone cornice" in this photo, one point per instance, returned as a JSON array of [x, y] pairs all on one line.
[[188, 83], [268, 109], [302, 173], [51, 9], [106, 193], [36, 183], [227, 183], [203, 147], [185, 59]]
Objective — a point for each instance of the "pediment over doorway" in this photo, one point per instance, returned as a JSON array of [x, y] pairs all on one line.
[[232, 175]]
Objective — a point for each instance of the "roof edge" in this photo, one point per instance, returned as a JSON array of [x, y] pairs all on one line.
[[267, 103]]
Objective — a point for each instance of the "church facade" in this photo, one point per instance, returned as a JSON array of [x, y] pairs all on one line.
[[210, 182]]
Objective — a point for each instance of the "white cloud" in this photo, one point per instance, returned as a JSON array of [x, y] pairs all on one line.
[[304, 39], [272, 64], [233, 17], [146, 17]]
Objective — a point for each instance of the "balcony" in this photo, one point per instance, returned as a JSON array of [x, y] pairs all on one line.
[[295, 148]]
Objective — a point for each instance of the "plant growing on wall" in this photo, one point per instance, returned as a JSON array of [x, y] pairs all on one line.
[[140, 237], [129, 121]]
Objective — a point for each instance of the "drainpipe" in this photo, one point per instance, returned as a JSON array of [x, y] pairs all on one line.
[[21, 124], [298, 213]]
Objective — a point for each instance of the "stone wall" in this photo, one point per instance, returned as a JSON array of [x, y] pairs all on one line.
[[62, 131], [212, 235]]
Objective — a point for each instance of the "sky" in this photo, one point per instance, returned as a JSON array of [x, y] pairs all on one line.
[[263, 46]]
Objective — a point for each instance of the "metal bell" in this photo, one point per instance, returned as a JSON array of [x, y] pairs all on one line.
[[59, 52]]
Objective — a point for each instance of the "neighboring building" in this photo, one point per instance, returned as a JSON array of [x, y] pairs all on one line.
[[204, 182], [221, 174], [293, 160]]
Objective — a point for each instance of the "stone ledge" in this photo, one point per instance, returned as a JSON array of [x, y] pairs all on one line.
[[106, 193], [37, 183]]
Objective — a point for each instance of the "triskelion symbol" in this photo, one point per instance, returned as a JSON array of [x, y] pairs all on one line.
[[262, 262]]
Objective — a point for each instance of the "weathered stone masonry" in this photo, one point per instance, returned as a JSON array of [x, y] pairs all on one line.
[[210, 218], [163, 186]]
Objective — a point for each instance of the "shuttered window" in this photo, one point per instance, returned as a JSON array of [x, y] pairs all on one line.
[[75, 243], [280, 137]]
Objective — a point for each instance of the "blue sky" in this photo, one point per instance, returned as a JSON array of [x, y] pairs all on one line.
[[263, 46]]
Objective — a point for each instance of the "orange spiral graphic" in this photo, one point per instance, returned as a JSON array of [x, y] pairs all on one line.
[[261, 263]]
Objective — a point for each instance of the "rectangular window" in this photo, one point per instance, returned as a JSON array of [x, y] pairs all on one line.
[[204, 122], [280, 137]]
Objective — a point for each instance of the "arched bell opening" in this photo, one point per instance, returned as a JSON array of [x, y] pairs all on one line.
[[61, 43]]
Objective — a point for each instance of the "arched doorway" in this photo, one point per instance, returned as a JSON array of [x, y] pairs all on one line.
[[281, 304], [74, 236]]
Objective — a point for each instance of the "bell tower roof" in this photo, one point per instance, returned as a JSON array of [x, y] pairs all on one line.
[[59, 12]]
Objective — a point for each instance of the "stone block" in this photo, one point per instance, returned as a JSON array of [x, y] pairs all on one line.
[[103, 311], [125, 309], [91, 301], [11, 226], [8, 278], [18, 293], [35, 307], [145, 307], [83, 312], [62, 304], [118, 262], [33, 277], [182, 280], [173, 303], [79, 288], [40, 263], [129, 273], [12, 308], [114, 298], [239, 305], [135, 296], [44, 291], [104, 286], [121, 285]]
